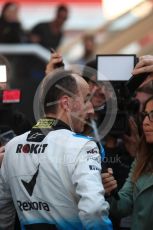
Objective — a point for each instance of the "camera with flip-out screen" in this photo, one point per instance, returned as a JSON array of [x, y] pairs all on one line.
[[117, 70]]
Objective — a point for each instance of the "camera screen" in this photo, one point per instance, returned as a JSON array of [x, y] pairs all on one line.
[[3, 76], [115, 67]]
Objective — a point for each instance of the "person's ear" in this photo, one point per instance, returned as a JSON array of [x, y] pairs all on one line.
[[65, 103]]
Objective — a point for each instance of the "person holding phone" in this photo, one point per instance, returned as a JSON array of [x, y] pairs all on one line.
[[55, 59]]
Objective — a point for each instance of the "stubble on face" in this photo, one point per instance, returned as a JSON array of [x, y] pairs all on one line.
[[79, 112]]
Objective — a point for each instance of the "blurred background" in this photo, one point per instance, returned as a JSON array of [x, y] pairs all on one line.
[[79, 29]]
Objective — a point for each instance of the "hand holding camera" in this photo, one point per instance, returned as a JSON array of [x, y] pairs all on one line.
[[145, 64]]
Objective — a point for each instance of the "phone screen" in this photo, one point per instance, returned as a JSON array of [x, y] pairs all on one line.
[[115, 67], [3, 75]]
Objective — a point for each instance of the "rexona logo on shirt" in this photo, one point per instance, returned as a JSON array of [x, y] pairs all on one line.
[[29, 206], [31, 148]]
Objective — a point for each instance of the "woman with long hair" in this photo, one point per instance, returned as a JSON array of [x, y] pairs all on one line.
[[144, 163], [136, 196], [10, 27]]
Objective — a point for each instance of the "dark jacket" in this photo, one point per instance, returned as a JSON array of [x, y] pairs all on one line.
[[11, 32]]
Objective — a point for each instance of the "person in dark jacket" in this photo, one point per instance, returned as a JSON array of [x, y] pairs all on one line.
[[10, 27], [49, 34]]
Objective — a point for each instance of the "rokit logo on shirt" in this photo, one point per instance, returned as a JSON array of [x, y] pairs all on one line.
[[31, 148]]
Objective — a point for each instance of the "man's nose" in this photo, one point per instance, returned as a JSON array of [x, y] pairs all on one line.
[[90, 109]]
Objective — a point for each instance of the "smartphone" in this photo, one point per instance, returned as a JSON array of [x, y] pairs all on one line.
[[3, 74], [58, 65], [115, 67]]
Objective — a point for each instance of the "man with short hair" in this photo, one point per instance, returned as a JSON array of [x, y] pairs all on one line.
[[53, 173], [49, 34]]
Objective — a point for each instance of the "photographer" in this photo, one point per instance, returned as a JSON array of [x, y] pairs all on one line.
[[116, 156]]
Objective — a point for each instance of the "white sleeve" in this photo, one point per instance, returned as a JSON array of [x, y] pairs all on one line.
[[86, 177], [7, 210]]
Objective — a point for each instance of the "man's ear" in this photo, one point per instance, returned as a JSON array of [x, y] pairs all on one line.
[[65, 102]]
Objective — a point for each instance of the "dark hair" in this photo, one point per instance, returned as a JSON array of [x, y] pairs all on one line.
[[146, 102], [144, 160], [92, 64], [90, 70], [65, 86], [146, 88], [6, 6], [88, 37], [61, 8]]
